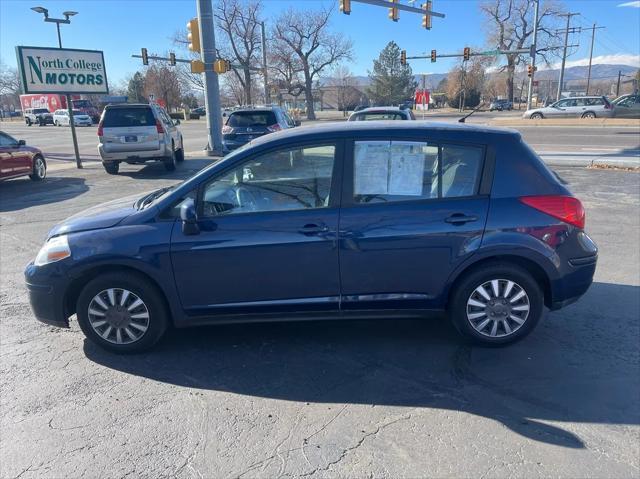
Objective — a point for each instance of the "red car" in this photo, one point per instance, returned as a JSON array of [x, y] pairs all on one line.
[[18, 159]]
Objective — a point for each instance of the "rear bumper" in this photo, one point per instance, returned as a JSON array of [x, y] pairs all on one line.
[[134, 156], [574, 284], [46, 298]]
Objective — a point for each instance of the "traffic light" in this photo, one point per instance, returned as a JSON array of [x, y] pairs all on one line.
[[530, 70], [145, 56], [426, 18], [345, 7], [433, 56], [221, 66], [466, 53], [403, 57], [197, 66], [394, 12], [194, 35], [172, 59]]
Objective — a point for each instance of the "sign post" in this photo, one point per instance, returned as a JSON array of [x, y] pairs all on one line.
[[63, 71]]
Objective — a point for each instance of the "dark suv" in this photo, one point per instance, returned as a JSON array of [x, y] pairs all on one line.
[[244, 125], [383, 219]]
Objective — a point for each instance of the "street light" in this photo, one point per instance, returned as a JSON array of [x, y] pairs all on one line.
[[66, 21]]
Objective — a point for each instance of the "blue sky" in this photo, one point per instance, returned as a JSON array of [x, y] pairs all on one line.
[[121, 28]]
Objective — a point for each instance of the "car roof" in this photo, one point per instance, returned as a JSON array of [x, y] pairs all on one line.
[[129, 105], [345, 128], [256, 109], [381, 108]]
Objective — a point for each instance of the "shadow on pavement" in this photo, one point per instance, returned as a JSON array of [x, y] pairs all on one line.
[[580, 365], [22, 193], [154, 170]]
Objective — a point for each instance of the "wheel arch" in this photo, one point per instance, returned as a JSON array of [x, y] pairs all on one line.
[[77, 284], [531, 266]]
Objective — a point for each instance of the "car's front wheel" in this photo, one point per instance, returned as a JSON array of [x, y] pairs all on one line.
[[497, 304], [537, 116], [39, 171], [121, 312]]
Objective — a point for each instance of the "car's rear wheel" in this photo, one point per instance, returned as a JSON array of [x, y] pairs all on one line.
[[28, 121], [170, 162], [111, 167], [537, 116], [588, 114], [39, 169], [498, 304], [122, 312], [180, 152]]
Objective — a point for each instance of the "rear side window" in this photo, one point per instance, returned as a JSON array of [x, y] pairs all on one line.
[[252, 118], [388, 171], [593, 101], [123, 117]]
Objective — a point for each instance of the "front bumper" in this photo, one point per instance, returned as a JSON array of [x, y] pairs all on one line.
[[46, 296]]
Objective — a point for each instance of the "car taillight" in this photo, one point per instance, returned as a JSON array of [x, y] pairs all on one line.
[[100, 130], [273, 128], [564, 208], [227, 129], [159, 127]]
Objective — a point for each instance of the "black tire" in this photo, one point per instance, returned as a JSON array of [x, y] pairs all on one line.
[[503, 271], [138, 285], [180, 152], [537, 116], [588, 114], [39, 169], [170, 162], [28, 121], [111, 167]]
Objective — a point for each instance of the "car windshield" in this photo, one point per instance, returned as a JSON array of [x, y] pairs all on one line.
[[122, 117], [379, 115], [78, 112], [81, 103], [251, 118], [40, 110]]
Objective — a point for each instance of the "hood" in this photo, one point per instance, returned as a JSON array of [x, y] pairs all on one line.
[[104, 215]]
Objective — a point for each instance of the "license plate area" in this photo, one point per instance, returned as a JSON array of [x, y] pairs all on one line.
[[130, 139]]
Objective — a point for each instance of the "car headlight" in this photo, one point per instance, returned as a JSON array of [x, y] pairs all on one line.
[[55, 249]]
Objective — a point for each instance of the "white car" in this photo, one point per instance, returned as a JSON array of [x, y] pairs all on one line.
[[61, 118], [135, 133]]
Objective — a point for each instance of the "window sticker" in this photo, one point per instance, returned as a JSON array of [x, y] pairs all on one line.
[[372, 168], [406, 173]]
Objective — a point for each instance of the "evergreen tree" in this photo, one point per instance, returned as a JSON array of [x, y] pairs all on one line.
[[391, 83], [135, 89]]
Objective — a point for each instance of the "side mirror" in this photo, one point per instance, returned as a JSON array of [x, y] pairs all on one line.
[[297, 122], [21, 143], [189, 218]]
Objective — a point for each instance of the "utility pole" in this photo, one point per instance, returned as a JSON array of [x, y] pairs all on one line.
[[211, 86], [462, 85], [593, 36], [618, 85], [564, 52], [265, 75], [533, 54]]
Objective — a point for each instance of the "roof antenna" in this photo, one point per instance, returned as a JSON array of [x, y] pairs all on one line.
[[461, 120]]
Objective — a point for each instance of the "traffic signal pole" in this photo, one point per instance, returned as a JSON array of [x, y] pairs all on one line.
[[211, 86]]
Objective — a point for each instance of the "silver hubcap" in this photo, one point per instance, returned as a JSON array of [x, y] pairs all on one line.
[[118, 316], [498, 308], [40, 168]]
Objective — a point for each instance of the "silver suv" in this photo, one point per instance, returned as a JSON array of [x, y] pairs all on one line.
[[136, 133], [575, 107]]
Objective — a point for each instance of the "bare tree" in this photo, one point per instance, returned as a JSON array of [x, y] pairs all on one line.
[[510, 27], [465, 82], [315, 47], [286, 72], [238, 19], [162, 81], [10, 87], [344, 85]]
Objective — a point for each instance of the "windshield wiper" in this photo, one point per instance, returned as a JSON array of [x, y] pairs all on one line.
[[151, 197]]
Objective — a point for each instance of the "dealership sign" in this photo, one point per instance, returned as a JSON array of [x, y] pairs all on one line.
[[61, 70]]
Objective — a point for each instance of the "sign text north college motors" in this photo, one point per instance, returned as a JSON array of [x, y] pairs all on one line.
[[57, 70]]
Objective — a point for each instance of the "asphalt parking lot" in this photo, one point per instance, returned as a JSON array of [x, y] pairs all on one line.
[[328, 399]]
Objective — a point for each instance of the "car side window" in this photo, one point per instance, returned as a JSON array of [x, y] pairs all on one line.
[[281, 180], [6, 140], [582, 102], [562, 104], [388, 171]]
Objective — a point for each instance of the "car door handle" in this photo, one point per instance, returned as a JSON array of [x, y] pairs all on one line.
[[313, 229], [460, 219]]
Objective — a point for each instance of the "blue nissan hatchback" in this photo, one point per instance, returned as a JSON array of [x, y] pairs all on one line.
[[349, 220]]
